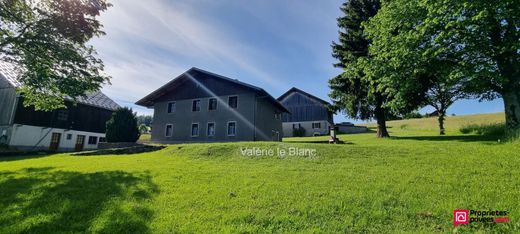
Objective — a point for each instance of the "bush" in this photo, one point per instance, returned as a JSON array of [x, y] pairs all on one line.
[[122, 127], [496, 129], [413, 115], [404, 126], [143, 129], [513, 135], [299, 132]]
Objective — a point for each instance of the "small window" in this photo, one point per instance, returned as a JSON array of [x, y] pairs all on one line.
[[195, 130], [69, 136], [63, 115], [171, 107], [212, 104], [92, 140], [169, 130], [195, 105], [211, 129], [233, 101], [232, 128], [296, 126], [102, 139], [316, 125], [277, 115]]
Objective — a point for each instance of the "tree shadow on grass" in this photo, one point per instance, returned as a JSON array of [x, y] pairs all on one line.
[[43, 200], [467, 138], [24, 155]]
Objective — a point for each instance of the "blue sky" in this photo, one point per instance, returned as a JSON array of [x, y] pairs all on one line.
[[272, 44]]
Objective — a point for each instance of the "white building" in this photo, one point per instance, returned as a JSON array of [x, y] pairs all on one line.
[[74, 128]]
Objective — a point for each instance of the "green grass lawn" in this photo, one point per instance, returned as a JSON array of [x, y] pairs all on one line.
[[409, 183]]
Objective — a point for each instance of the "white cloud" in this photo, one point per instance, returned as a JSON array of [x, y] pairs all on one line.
[[150, 42]]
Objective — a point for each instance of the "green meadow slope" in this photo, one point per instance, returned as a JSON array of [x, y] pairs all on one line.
[[409, 183]]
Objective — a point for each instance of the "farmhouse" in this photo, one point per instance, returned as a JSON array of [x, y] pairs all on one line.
[[77, 127], [200, 106], [309, 115]]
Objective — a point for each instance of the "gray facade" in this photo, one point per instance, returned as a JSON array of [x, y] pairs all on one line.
[[256, 117], [307, 112]]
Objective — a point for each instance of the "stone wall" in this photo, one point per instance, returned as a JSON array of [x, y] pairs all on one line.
[[115, 145]]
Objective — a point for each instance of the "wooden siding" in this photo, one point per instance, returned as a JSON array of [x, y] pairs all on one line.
[[7, 100], [304, 108], [80, 117], [189, 89]]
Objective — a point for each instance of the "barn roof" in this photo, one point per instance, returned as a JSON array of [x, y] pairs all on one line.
[[296, 90], [96, 99], [150, 99]]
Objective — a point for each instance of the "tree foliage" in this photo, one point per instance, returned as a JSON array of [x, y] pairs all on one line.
[[359, 95], [143, 129], [470, 46], [122, 127], [145, 119], [47, 41]]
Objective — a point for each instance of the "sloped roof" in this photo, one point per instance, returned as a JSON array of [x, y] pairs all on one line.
[[7, 70], [294, 89], [149, 100], [96, 99]]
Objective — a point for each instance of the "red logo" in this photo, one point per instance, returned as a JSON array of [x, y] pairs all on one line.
[[501, 219], [460, 217]]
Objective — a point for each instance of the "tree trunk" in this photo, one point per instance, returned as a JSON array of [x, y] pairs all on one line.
[[512, 109], [442, 116], [381, 118]]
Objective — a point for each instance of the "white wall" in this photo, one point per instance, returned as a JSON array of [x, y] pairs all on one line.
[[27, 137], [307, 125]]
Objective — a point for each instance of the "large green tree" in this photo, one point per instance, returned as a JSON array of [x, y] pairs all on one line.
[[476, 43], [47, 41], [358, 95]]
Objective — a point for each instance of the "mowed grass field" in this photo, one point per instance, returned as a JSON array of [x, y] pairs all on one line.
[[410, 183]]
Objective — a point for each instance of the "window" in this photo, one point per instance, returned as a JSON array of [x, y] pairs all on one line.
[[69, 136], [102, 139], [195, 130], [211, 129], [212, 104], [171, 107], [63, 115], [92, 140], [195, 105], [169, 130], [233, 101], [277, 115], [232, 128], [296, 126], [316, 125]]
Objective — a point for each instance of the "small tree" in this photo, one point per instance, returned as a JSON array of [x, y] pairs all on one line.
[[143, 129], [122, 127], [354, 92], [299, 132]]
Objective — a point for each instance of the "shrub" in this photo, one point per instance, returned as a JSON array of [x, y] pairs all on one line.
[[513, 135], [413, 115], [495, 129], [299, 132], [122, 127], [143, 129]]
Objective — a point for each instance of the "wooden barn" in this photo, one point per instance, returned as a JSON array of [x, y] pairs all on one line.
[[75, 128], [309, 115]]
